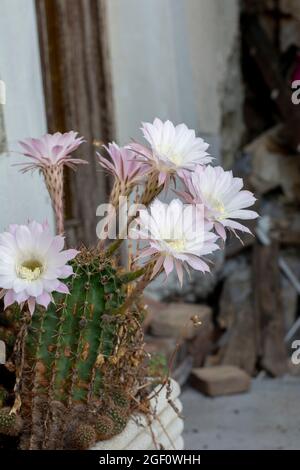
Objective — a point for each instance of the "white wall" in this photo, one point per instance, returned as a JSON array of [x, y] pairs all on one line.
[[169, 59], [21, 196]]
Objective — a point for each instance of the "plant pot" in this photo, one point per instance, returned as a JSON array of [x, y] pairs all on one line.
[[164, 430]]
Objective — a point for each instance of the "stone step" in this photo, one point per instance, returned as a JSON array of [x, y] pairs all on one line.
[[181, 320], [220, 380]]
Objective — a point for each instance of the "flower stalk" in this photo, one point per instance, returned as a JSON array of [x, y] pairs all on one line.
[[54, 179], [140, 286], [151, 191]]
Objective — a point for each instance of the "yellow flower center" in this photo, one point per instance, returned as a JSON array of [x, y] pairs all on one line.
[[218, 207], [30, 270], [176, 245], [175, 158]]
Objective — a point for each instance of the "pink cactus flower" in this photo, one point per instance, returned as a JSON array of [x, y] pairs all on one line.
[[123, 165], [32, 262], [51, 150]]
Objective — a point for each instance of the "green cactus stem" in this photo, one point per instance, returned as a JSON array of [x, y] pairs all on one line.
[[120, 399], [104, 427], [62, 362], [10, 423], [119, 418], [84, 437]]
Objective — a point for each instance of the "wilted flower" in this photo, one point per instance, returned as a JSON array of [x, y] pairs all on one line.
[[49, 154], [223, 198], [32, 262], [178, 237], [173, 149]]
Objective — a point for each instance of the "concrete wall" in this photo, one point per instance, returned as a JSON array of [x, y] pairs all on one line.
[[2, 126], [21, 197], [170, 59]]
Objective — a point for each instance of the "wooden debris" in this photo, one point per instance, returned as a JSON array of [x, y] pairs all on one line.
[[238, 345], [267, 60], [234, 246], [268, 309]]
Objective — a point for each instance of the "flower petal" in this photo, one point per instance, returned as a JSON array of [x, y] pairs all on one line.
[[168, 264], [44, 299], [9, 298], [62, 288], [31, 305]]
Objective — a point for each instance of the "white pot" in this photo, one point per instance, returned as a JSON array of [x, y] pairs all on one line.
[[166, 427]]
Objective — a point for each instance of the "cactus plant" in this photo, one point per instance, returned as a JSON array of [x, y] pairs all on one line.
[[61, 355], [84, 436], [104, 427], [10, 423]]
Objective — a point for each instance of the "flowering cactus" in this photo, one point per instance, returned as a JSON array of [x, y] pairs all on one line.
[[77, 347]]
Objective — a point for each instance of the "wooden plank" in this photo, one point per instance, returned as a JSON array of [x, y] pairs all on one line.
[[78, 93], [238, 344], [272, 353], [287, 237]]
